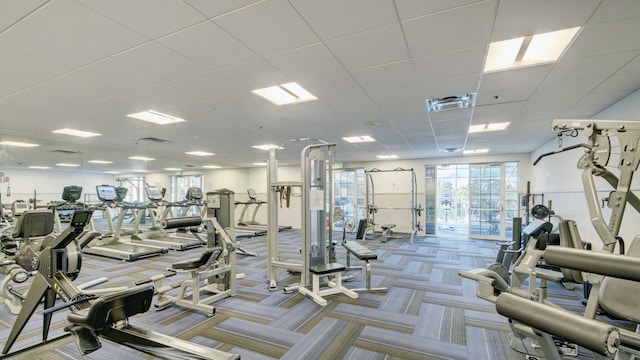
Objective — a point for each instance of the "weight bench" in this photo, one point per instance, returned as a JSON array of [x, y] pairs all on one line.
[[364, 254], [335, 286], [387, 232]]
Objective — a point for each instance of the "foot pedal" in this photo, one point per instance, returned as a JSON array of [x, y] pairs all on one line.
[[86, 340], [566, 348]]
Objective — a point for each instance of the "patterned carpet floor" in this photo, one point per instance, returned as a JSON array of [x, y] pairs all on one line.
[[428, 312]]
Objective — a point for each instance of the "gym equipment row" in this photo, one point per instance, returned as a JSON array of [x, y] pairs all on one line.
[[91, 317]]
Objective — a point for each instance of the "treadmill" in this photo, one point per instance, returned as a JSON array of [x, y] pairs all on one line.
[[110, 245], [155, 235], [253, 225]]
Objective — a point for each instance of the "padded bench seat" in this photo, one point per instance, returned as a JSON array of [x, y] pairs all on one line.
[[203, 260], [365, 254], [325, 269], [334, 286], [112, 308], [359, 251]]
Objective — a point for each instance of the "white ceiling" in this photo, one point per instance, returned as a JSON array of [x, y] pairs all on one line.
[[85, 64]]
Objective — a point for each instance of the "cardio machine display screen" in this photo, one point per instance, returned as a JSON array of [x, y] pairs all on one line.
[[107, 193], [153, 193], [80, 218]]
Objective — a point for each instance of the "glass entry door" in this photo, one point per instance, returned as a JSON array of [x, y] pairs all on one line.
[[349, 197], [486, 201]]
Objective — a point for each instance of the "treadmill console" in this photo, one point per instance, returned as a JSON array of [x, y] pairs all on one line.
[[71, 193], [107, 193], [153, 193], [194, 194], [252, 194]]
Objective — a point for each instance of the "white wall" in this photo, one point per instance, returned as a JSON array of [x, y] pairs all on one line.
[[48, 184], [560, 180]]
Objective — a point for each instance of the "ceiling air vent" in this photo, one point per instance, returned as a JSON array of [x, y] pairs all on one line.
[[450, 150], [455, 102], [68, 152], [152, 140], [190, 166]]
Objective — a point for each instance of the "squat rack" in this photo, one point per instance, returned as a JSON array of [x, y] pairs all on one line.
[[372, 208]]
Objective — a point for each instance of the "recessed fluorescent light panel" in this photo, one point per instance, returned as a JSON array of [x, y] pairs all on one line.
[[172, 169], [100, 162], [18, 144], [260, 163], [67, 165], [39, 167], [475, 151], [488, 127], [529, 50], [143, 158], [266, 147], [156, 117], [112, 172], [385, 157], [140, 171], [284, 94], [358, 139], [199, 153], [454, 102], [211, 166], [74, 132]]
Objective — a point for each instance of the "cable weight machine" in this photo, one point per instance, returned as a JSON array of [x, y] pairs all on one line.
[[371, 208], [316, 162]]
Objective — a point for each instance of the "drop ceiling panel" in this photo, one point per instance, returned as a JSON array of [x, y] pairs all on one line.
[[631, 67], [414, 8], [385, 76], [352, 104], [498, 112], [160, 61], [556, 89], [204, 71], [459, 28], [453, 64], [313, 59], [379, 46], [529, 76], [606, 38], [328, 84], [18, 9], [122, 76], [208, 45], [615, 10], [254, 74], [506, 95], [80, 24], [215, 8], [522, 18], [600, 65], [623, 82], [143, 15], [275, 27], [43, 45], [400, 101], [550, 105], [334, 18], [27, 70], [449, 87], [6, 21]]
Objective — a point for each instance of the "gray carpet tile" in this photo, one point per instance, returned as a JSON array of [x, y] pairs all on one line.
[[428, 312]]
